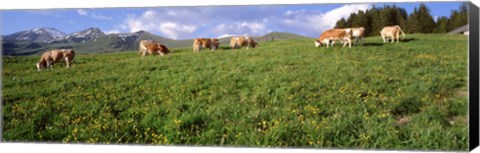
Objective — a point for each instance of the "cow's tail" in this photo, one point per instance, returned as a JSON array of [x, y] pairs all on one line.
[[403, 34]]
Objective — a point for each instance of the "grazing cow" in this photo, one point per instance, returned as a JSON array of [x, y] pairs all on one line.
[[156, 48], [199, 43], [357, 33], [335, 35], [240, 41], [392, 32], [142, 47], [48, 58]]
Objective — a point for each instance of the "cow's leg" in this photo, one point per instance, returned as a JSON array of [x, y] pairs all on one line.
[[361, 39], [49, 64], [349, 41], [398, 36], [67, 62], [383, 37]]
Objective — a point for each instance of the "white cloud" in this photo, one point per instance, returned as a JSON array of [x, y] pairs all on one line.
[[82, 12], [175, 30], [226, 35], [313, 23], [166, 23], [101, 17], [435, 18], [240, 28], [112, 32], [171, 13], [191, 22], [330, 18]]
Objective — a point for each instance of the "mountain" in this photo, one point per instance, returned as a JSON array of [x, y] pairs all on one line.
[[93, 40], [45, 34], [82, 36], [279, 36]]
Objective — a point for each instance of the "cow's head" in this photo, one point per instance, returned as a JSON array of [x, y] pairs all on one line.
[[215, 43], [254, 44], [41, 65], [318, 43]]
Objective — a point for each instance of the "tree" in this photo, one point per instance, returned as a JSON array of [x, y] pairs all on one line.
[[360, 20], [420, 21], [412, 22], [401, 18], [373, 22], [442, 25], [459, 17], [426, 22], [341, 23]]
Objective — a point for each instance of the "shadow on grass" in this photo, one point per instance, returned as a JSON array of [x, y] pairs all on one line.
[[408, 39], [372, 44]]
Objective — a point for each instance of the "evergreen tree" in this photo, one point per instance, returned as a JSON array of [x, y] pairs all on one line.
[[412, 22], [442, 25], [401, 18], [386, 16], [360, 20], [459, 17], [374, 22], [426, 22], [341, 23], [350, 20]]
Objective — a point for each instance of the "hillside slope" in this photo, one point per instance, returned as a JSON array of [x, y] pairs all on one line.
[[287, 93]]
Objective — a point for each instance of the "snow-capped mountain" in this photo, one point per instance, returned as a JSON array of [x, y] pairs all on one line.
[[82, 36], [45, 34]]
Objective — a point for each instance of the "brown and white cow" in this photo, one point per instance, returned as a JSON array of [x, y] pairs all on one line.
[[328, 37], [199, 43], [392, 32], [358, 33], [142, 46], [48, 58], [156, 48], [240, 41]]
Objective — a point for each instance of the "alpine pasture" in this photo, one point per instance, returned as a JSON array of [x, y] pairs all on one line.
[[286, 93]]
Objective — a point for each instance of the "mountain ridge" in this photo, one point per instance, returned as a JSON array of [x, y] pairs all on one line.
[[93, 40]]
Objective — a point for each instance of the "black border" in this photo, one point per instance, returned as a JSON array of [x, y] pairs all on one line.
[[473, 76]]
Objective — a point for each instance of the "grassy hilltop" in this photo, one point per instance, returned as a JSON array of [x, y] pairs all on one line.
[[285, 93]]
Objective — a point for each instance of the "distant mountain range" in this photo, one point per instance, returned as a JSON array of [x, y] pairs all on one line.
[[93, 40]]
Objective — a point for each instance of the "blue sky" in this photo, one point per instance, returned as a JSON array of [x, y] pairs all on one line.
[[190, 22]]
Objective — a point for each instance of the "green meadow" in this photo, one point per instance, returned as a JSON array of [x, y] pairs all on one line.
[[286, 93]]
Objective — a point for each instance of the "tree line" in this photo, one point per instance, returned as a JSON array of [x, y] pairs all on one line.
[[419, 21]]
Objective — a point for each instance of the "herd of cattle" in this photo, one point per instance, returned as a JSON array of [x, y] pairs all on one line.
[[328, 37]]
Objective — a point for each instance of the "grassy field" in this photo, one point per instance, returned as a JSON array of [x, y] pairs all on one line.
[[408, 95]]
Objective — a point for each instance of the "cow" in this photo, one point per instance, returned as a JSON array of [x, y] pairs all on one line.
[[358, 33], [392, 32], [335, 35], [155, 48], [48, 58], [240, 41], [199, 43], [142, 46]]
